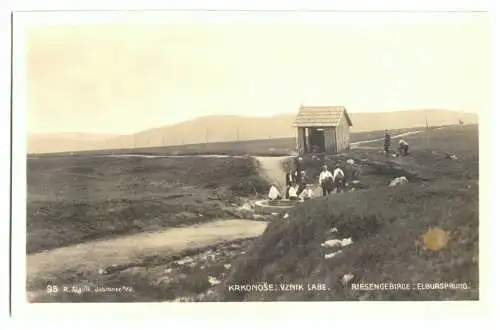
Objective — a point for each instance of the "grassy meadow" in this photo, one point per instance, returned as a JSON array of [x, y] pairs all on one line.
[[75, 199]]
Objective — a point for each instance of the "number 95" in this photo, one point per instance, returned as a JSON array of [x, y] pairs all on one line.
[[52, 289]]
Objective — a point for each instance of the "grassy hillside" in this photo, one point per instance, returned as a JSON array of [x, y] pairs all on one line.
[[386, 225]]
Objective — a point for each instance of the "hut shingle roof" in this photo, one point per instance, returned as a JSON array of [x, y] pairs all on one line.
[[320, 116]]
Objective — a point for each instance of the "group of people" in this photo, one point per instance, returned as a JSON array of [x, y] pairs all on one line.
[[296, 183], [330, 182], [297, 187], [403, 145]]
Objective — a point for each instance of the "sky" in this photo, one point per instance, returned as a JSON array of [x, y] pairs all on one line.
[[128, 75]]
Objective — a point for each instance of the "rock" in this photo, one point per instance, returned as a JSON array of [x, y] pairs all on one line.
[[186, 260], [398, 181], [333, 230], [285, 216], [213, 280], [337, 242], [227, 266], [331, 243], [333, 254], [346, 241], [347, 278]]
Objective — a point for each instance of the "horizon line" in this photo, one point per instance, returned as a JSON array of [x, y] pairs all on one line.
[[116, 134]]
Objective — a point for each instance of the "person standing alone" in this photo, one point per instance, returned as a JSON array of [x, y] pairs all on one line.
[[387, 142], [289, 182]]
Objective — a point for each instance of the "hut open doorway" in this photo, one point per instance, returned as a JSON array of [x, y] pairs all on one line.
[[317, 139]]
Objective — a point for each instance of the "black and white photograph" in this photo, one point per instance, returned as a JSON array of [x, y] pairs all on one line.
[[249, 156]]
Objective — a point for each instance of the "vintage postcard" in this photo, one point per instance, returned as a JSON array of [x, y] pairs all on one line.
[[220, 156]]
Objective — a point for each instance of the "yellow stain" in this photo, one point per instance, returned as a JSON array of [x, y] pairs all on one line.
[[435, 239]]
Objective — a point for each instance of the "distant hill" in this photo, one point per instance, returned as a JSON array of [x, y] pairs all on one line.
[[56, 142], [229, 128]]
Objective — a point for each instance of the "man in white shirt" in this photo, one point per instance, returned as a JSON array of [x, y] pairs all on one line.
[[326, 180], [338, 179]]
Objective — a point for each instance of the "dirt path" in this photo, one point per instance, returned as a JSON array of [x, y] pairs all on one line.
[[355, 145], [272, 169], [124, 250]]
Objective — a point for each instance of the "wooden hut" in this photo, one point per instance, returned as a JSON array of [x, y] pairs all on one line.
[[322, 129]]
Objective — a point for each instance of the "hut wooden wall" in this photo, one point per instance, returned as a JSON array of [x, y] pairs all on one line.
[[336, 138], [342, 134], [330, 140], [301, 139]]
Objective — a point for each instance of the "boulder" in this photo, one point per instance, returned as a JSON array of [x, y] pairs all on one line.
[[337, 242], [333, 254], [398, 181], [213, 280], [347, 278]]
